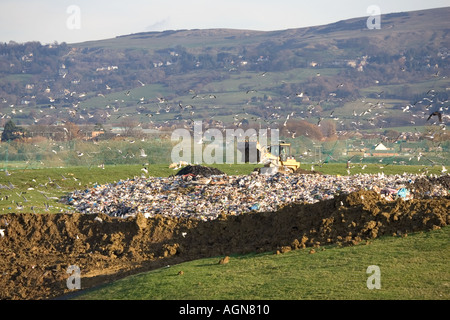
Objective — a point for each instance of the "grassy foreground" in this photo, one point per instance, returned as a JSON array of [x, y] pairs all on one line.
[[412, 267]]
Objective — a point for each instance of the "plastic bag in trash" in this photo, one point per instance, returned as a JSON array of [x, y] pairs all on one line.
[[403, 193]]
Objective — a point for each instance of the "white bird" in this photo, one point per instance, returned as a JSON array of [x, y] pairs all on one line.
[[143, 155], [287, 118]]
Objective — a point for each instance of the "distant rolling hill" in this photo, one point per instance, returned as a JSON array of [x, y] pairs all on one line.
[[409, 24], [388, 77]]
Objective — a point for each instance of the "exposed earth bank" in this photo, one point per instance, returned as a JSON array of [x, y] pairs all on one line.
[[37, 249]]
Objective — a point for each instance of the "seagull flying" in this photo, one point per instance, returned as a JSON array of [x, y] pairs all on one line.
[[143, 155]]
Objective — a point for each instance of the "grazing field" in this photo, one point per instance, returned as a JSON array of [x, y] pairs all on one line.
[[412, 268]]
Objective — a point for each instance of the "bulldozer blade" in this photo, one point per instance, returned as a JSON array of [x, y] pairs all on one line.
[[268, 171]]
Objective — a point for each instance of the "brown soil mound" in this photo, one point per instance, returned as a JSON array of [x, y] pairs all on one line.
[[37, 249], [304, 171], [198, 170]]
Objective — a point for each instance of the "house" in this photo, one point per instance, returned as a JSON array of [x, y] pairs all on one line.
[[108, 68], [381, 146], [380, 150]]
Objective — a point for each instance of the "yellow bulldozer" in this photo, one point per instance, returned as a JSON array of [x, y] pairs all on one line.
[[277, 158]]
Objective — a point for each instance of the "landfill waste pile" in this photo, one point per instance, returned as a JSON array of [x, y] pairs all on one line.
[[207, 197], [425, 185]]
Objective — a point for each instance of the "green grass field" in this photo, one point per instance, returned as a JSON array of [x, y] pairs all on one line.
[[411, 268]]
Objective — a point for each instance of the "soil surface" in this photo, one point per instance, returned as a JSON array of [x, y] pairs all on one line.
[[36, 250], [198, 170]]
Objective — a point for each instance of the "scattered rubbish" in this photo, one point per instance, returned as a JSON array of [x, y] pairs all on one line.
[[206, 193], [404, 194], [98, 219]]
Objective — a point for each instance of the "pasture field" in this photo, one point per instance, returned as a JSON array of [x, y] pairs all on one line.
[[411, 268]]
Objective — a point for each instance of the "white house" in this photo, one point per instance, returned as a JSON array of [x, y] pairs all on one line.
[[380, 146]]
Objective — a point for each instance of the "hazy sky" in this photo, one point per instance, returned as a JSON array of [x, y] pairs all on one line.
[[82, 20]]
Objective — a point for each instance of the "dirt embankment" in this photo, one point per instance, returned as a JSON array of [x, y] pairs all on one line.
[[37, 249]]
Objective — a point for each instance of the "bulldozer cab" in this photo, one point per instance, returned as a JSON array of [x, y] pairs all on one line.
[[282, 150]]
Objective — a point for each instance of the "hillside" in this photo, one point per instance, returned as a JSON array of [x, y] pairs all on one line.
[[237, 76]]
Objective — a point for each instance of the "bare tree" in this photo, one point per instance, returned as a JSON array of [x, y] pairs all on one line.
[[129, 127]]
